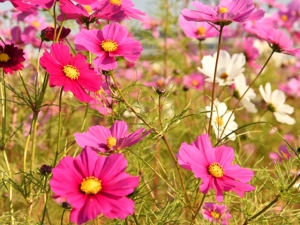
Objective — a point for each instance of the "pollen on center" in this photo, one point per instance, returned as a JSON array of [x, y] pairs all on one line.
[[4, 57], [224, 76], [215, 215], [223, 10], [111, 142], [216, 170], [201, 31], [219, 121], [91, 185], [71, 72], [116, 2], [109, 45]]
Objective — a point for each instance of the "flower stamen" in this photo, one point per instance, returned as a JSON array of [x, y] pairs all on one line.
[[216, 170], [116, 2], [4, 57], [71, 72], [111, 142], [109, 45], [91, 185], [223, 10]]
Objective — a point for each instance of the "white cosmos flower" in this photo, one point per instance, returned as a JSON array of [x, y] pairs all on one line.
[[220, 117], [240, 88], [275, 101], [228, 67]]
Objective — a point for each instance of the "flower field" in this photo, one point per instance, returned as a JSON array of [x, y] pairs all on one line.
[[185, 114]]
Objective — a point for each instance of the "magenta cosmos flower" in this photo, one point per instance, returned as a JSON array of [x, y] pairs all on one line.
[[278, 41], [70, 72], [127, 7], [94, 185], [102, 139], [90, 13], [216, 213], [11, 58], [200, 30], [107, 44], [214, 167], [225, 13]]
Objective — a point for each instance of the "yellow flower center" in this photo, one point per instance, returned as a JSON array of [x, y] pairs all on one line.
[[36, 24], [195, 83], [91, 185], [116, 2], [219, 121], [224, 76], [109, 45], [88, 8], [284, 18], [71, 72], [4, 57], [215, 215], [111, 142], [201, 31], [223, 10], [216, 170]]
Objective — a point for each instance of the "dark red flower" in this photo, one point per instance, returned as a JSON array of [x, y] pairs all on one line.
[[11, 58], [47, 34]]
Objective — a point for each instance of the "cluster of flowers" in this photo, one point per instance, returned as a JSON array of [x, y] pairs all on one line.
[[97, 184]]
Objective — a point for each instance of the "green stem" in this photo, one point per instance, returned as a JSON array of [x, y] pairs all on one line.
[[59, 129], [46, 201], [250, 85], [62, 217], [214, 80], [198, 209], [272, 202], [27, 92], [178, 168], [135, 219], [3, 142]]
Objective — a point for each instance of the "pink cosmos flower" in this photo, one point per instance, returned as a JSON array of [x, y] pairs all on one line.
[[278, 41], [216, 213], [200, 30], [11, 58], [94, 185], [72, 73], [102, 139], [152, 24], [90, 13], [292, 87], [128, 9], [251, 52], [283, 153], [195, 80], [214, 167], [102, 100], [225, 13], [110, 42]]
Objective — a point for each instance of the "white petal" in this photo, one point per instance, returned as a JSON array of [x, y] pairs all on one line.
[[284, 118], [277, 97], [284, 108]]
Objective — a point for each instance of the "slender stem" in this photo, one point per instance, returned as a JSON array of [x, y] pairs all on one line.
[[250, 85], [177, 166], [46, 201], [166, 38], [25, 152], [198, 209], [163, 137], [129, 106], [135, 219], [272, 202], [214, 80], [55, 22], [3, 141], [27, 92], [59, 129], [62, 217]]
